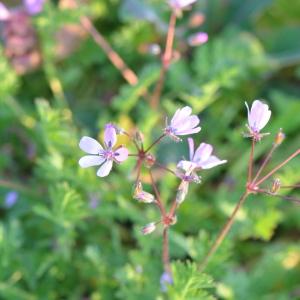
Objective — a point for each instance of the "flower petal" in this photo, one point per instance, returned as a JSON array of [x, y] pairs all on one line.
[[90, 145], [259, 115], [121, 154], [105, 168], [211, 162], [110, 135], [202, 153], [191, 148], [187, 166], [90, 160], [180, 115], [189, 131], [33, 7], [4, 12]]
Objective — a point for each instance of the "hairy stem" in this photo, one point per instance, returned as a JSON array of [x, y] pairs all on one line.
[[154, 143], [166, 59], [250, 165], [223, 233], [157, 195], [165, 254], [265, 162], [278, 167]]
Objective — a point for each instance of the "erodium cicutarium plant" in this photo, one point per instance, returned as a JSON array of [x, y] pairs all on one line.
[[182, 124], [188, 171]]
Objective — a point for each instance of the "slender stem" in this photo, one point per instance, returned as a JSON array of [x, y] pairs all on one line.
[[278, 167], [250, 165], [170, 40], [173, 208], [158, 88], [133, 154], [114, 57], [288, 198], [166, 59], [138, 168], [165, 254], [157, 194], [133, 140], [265, 162], [290, 186], [224, 231], [165, 168], [155, 142]]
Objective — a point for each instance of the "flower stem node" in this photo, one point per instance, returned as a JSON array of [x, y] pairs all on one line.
[[149, 228], [169, 220], [252, 188]]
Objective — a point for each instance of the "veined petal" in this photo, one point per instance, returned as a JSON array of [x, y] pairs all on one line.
[[110, 135], [211, 162], [189, 131], [202, 153], [191, 148], [90, 160], [90, 145], [105, 168], [187, 166], [121, 154], [180, 115], [259, 115], [188, 123]]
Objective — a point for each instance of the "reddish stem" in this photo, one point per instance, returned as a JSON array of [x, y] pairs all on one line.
[[165, 255], [250, 164], [277, 168], [154, 143]]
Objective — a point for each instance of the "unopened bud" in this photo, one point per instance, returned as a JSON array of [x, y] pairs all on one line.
[[280, 136], [173, 220], [141, 195], [149, 228], [182, 191], [275, 186], [149, 160], [198, 39]]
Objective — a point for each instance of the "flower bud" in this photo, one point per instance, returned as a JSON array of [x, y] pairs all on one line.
[[149, 228], [150, 160], [182, 191], [141, 195], [280, 136], [275, 186]]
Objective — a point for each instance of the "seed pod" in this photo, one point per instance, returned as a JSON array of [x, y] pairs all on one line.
[[280, 136]]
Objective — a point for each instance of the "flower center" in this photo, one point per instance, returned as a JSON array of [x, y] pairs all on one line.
[[108, 154]]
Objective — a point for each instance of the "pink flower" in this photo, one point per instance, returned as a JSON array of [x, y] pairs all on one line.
[[258, 117], [102, 156], [180, 4], [33, 7], [202, 158], [182, 123], [198, 38]]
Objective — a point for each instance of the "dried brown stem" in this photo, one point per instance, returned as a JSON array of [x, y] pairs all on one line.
[[114, 57]]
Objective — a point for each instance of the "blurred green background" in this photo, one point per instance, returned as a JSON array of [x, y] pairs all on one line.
[[67, 234]]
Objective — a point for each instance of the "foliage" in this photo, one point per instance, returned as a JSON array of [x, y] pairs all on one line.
[[71, 235]]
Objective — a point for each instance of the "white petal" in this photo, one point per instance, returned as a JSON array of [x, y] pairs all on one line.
[[121, 154], [202, 153], [191, 148], [90, 160], [4, 12], [186, 166], [105, 168], [180, 115], [90, 145], [110, 136], [259, 115], [211, 162]]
